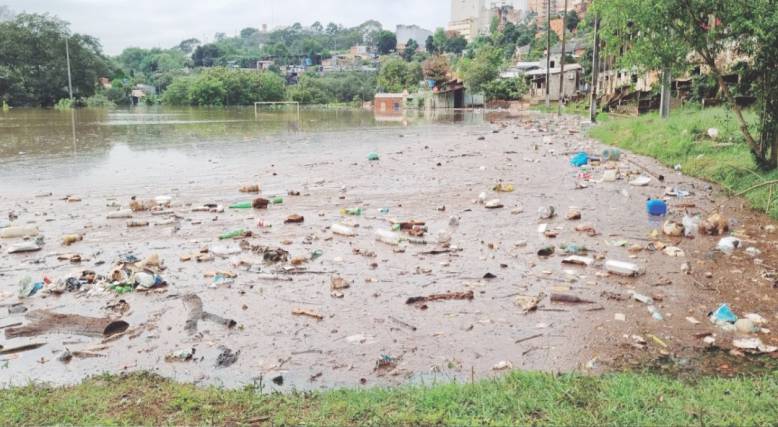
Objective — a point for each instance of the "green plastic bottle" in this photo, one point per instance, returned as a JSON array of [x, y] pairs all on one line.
[[232, 234], [352, 211], [373, 156], [241, 205], [277, 200]]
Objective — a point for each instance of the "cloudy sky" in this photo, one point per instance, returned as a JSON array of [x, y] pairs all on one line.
[[164, 23]]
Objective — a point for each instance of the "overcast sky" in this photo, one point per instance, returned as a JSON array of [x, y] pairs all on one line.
[[164, 23]]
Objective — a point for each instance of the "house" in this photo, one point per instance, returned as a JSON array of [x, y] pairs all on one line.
[[536, 80], [104, 82], [265, 64], [389, 103], [141, 91], [452, 95]]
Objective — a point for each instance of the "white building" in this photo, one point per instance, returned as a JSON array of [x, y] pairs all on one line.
[[411, 32], [471, 18]]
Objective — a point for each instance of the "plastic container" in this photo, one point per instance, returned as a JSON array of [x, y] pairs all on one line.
[[579, 159], [342, 230], [15, 232], [122, 214], [656, 207], [388, 237], [691, 225], [623, 268], [241, 205], [610, 175], [611, 154]]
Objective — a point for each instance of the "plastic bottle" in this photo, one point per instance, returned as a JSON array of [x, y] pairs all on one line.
[[233, 234], [122, 214], [277, 200], [352, 211], [342, 230], [691, 225], [622, 268], [21, 231], [373, 156], [241, 205], [388, 237]]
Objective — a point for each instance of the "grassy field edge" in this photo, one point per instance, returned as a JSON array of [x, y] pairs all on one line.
[[517, 398], [683, 140]]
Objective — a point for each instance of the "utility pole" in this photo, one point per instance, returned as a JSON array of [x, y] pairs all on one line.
[[562, 64], [70, 79], [548, 53], [664, 101], [595, 70]]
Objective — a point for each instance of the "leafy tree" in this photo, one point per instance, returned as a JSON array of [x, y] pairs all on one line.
[[436, 68], [572, 20], [33, 70], [206, 56], [222, 87], [248, 32], [482, 69], [386, 42], [187, 46], [316, 27], [410, 50], [396, 75], [439, 41], [658, 30], [456, 44], [332, 28], [429, 44]]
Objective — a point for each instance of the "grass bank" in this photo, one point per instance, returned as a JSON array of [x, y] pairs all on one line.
[[518, 398], [682, 139]]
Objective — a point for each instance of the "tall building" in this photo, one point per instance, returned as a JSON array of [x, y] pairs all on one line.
[[471, 18], [411, 32]]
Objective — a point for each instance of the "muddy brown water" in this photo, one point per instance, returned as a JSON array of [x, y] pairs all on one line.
[[426, 164]]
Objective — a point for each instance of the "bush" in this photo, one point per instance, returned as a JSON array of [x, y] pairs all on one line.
[[99, 100], [222, 87], [505, 89]]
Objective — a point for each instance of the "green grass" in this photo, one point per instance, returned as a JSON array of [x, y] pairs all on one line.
[[519, 398], [682, 139]]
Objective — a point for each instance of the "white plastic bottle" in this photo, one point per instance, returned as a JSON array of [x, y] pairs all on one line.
[[21, 231], [342, 230], [388, 237]]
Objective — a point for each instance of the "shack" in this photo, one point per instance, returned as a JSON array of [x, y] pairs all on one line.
[[389, 102], [536, 80], [453, 94]]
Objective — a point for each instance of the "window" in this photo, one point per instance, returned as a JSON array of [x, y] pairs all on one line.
[[396, 106]]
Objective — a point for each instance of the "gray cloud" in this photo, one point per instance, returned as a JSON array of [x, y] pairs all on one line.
[[164, 23]]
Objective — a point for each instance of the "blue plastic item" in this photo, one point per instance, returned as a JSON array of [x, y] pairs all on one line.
[[611, 154], [656, 207], [724, 314], [579, 159]]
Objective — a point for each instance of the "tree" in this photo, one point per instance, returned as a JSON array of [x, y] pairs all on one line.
[[456, 44], [410, 49], [206, 55], [572, 20], [332, 28], [187, 46], [397, 75], [482, 69], [429, 44], [659, 30], [439, 40], [316, 27], [436, 68], [385, 41], [248, 32], [505, 89], [33, 70]]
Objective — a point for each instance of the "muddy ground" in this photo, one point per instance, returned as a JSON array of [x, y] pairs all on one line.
[[368, 334]]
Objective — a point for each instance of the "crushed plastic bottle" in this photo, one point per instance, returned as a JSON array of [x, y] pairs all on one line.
[[691, 225], [342, 230], [352, 211], [18, 231], [388, 237]]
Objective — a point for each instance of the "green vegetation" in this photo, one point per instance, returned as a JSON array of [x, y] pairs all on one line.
[[33, 69], [397, 75], [505, 89], [334, 88], [662, 33], [223, 87], [682, 139], [517, 399]]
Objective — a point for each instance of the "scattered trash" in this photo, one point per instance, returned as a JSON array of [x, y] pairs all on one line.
[[20, 349], [619, 317], [69, 239], [502, 365], [569, 299], [754, 344], [573, 214], [656, 207], [28, 288], [745, 326], [672, 229], [623, 268], [503, 187], [420, 302], [180, 355], [242, 205], [47, 322], [235, 234], [250, 188], [373, 156], [494, 204], [611, 154], [714, 225], [352, 211], [308, 313], [674, 252], [546, 251], [728, 245], [342, 230], [17, 232], [691, 225], [579, 159], [527, 302], [122, 214], [578, 260], [640, 181], [294, 219], [227, 357], [194, 306], [723, 314], [753, 252], [713, 133], [610, 175], [546, 212], [388, 237]]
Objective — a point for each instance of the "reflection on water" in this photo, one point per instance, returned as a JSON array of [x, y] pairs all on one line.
[[31, 132]]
